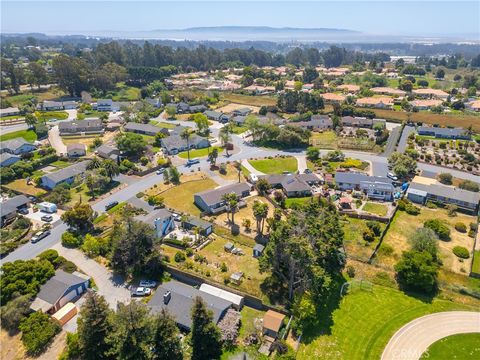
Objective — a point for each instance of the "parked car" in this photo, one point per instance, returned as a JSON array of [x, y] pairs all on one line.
[[253, 178], [192, 162], [160, 171], [392, 176], [176, 217], [147, 283], [307, 171], [47, 218], [141, 291], [111, 205], [39, 236], [23, 211]]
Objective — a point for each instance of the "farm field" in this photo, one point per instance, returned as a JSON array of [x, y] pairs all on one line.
[[362, 323], [275, 165]]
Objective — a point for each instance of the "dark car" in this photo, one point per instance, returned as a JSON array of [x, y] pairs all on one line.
[[47, 218], [192, 162], [111, 205], [23, 211]]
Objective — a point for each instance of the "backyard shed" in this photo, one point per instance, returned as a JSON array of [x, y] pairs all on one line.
[[258, 250], [272, 323], [235, 299], [236, 277]]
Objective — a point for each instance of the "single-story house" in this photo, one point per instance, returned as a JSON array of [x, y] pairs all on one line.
[[17, 146], [59, 290], [333, 98], [375, 187], [105, 105], [205, 227], [211, 201], [145, 129], [272, 323], [444, 133], [431, 93], [349, 88], [108, 152], [76, 150], [473, 105], [258, 250], [244, 111], [9, 111], [178, 298], [298, 185], [355, 121], [235, 299], [239, 120], [90, 126], [197, 109], [157, 102], [65, 175], [464, 199], [425, 104], [376, 102], [217, 116], [174, 144], [388, 91], [9, 208], [48, 105], [161, 219], [317, 122], [7, 159]]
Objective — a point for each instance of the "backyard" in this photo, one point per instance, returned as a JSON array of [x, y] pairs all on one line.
[[324, 140], [276, 165], [363, 322], [355, 245], [375, 208], [21, 186], [404, 225]]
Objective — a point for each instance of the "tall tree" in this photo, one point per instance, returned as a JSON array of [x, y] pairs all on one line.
[[111, 168], [205, 336], [212, 157], [201, 121], [94, 325], [186, 135], [166, 343], [37, 74], [260, 212], [225, 136], [80, 217], [231, 202], [72, 73]]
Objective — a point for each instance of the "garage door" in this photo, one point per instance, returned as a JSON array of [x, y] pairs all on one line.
[[68, 297]]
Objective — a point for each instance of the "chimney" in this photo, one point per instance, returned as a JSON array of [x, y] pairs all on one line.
[[166, 297]]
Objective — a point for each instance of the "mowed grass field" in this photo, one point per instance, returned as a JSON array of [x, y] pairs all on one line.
[[363, 323], [324, 140], [181, 197], [461, 346], [275, 165], [196, 153], [28, 135]]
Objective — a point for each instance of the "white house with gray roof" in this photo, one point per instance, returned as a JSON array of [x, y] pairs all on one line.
[[65, 175], [211, 201], [17, 146], [174, 143], [161, 220], [375, 187], [145, 129]]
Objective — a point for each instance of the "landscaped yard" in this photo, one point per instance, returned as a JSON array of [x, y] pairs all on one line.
[[196, 153], [461, 346], [353, 241], [28, 135], [403, 225], [375, 208], [60, 164], [324, 140], [363, 323], [290, 202], [275, 165]]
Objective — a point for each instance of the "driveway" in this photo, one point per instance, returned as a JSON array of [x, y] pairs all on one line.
[[402, 144], [301, 163], [56, 141], [111, 287], [392, 141], [414, 338]]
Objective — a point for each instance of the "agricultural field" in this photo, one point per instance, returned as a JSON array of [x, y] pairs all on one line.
[[275, 165], [404, 225]]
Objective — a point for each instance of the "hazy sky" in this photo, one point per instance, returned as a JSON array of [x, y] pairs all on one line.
[[377, 17]]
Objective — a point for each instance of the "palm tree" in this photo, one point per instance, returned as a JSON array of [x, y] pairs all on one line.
[[212, 157], [95, 163], [111, 168], [231, 202], [186, 134], [225, 137], [260, 211]]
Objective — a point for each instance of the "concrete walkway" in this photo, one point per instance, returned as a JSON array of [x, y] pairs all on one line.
[[111, 287], [414, 338], [56, 141], [250, 168], [301, 163]]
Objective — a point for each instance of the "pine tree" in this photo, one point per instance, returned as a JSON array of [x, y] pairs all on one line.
[[93, 327], [205, 335], [167, 345]]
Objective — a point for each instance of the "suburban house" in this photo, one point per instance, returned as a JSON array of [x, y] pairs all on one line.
[[421, 193], [375, 187], [59, 290], [444, 133], [349, 88], [191, 222], [144, 129], [161, 219], [333, 98], [388, 91], [7, 159], [174, 144], [259, 90], [272, 323], [156, 103], [9, 208], [108, 152], [211, 201], [425, 104], [473, 105], [361, 122], [431, 93], [217, 116], [316, 123], [90, 126], [299, 185], [76, 150], [376, 102], [65, 175], [244, 111], [197, 109], [178, 298], [105, 105], [48, 105], [9, 111], [17, 146], [239, 120]]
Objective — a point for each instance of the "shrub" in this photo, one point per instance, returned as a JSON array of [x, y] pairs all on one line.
[[386, 250], [461, 252], [461, 227], [368, 235], [69, 267], [375, 227], [179, 257], [37, 332], [417, 270], [140, 195], [189, 252], [71, 240], [350, 271], [13, 312], [223, 267], [442, 231]]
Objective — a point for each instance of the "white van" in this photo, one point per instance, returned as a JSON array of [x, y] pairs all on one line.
[[253, 178]]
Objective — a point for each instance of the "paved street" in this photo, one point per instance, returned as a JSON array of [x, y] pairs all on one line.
[[12, 128], [414, 338]]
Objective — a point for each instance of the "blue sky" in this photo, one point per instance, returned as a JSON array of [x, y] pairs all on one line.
[[374, 17]]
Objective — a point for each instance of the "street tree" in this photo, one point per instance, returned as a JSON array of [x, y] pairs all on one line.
[[80, 217], [186, 135]]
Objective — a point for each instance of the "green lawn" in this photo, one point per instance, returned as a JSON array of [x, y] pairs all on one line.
[[324, 140], [289, 202], [461, 346], [28, 135], [275, 165], [126, 93], [196, 153], [49, 115], [239, 129], [181, 197], [476, 262], [162, 124], [60, 164], [363, 322], [374, 208], [11, 117]]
